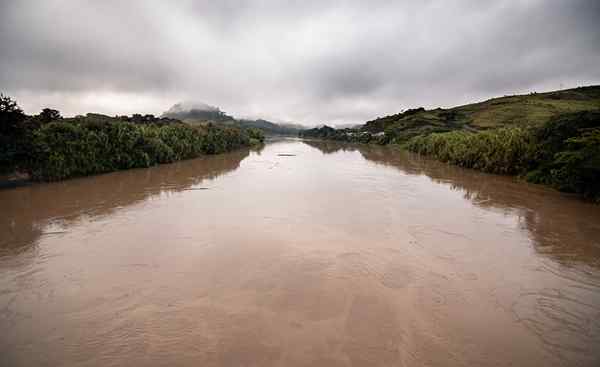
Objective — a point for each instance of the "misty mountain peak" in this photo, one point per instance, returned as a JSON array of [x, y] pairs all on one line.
[[191, 106], [196, 111]]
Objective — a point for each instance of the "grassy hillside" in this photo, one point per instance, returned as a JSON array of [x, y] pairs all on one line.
[[520, 110]]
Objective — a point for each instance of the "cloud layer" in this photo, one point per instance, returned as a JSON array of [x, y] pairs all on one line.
[[309, 62]]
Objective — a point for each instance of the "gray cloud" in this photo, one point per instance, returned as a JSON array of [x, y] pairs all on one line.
[[308, 62]]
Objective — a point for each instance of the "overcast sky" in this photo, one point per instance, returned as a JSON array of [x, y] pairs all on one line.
[[308, 62]]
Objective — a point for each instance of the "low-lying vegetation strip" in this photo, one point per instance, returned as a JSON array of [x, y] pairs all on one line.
[[52, 148], [503, 151], [563, 153], [65, 149]]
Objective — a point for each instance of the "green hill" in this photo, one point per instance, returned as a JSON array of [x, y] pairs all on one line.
[[532, 109]]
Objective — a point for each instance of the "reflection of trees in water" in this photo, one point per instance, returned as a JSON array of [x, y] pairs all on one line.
[[564, 230], [28, 210], [258, 148], [329, 147], [562, 227]]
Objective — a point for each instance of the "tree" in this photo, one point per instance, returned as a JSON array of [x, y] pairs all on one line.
[[12, 133], [11, 116], [49, 115]]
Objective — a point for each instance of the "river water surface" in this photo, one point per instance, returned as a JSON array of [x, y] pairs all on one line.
[[300, 254]]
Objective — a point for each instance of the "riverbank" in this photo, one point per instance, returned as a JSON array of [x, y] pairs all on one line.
[[563, 153], [58, 148], [79, 148], [548, 138]]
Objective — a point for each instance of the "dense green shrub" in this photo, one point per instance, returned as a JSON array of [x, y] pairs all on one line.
[[504, 151], [222, 139], [51, 147], [563, 153], [256, 136], [568, 154], [14, 131], [83, 146]]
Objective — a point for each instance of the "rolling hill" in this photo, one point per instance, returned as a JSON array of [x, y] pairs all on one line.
[[519, 110], [533, 109]]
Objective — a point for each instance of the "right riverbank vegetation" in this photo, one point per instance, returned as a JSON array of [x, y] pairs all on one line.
[[48, 147], [548, 138]]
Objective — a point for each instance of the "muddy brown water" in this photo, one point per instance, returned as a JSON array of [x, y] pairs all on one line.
[[300, 254]]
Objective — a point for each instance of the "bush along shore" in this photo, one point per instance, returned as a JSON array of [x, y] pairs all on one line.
[[49, 147], [563, 153]]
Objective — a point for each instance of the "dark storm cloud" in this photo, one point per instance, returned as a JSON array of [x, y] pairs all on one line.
[[309, 61]]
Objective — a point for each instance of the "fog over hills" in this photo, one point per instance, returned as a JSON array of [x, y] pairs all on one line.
[[203, 113], [187, 106], [196, 112]]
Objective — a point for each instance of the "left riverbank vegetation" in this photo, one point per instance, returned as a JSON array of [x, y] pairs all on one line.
[[49, 147], [548, 138]]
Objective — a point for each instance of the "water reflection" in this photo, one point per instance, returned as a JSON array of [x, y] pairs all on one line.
[[560, 226], [330, 147], [562, 308], [46, 209]]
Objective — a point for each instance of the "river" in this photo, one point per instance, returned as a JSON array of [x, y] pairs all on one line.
[[298, 254]]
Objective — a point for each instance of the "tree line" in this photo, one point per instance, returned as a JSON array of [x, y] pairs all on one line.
[[49, 147]]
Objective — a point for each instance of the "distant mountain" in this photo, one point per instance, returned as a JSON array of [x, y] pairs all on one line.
[[202, 113], [271, 128], [292, 125], [346, 126]]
